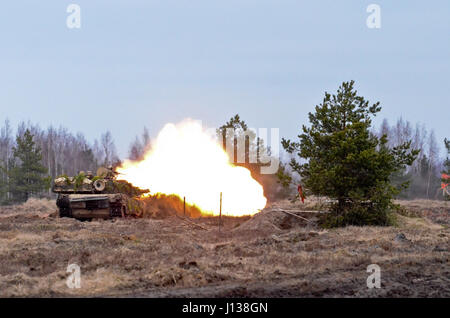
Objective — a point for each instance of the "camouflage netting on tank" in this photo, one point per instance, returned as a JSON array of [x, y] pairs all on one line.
[[77, 183], [82, 183], [122, 186]]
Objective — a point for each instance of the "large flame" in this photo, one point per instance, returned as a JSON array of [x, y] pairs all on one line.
[[187, 161]]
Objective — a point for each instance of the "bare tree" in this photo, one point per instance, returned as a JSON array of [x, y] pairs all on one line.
[[384, 129], [109, 149], [424, 172], [139, 146], [432, 155], [145, 138], [136, 149], [401, 132], [6, 143]]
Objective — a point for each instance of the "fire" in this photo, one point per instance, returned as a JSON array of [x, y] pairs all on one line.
[[187, 161]]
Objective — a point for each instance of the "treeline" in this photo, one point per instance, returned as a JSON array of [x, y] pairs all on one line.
[[30, 157], [56, 151], [424, 175]]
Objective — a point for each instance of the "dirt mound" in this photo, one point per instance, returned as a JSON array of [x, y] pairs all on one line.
[[266, 220], [285, 215], [272, 220]]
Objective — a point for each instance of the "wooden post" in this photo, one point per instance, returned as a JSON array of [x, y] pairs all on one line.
[[220, 211], [184, 206]]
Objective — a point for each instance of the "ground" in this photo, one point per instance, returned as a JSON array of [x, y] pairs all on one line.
[[272, 254]]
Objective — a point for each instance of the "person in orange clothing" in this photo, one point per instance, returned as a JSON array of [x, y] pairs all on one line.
[[300, 193]]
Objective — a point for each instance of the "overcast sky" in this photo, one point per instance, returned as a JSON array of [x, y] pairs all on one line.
[[145, 63]]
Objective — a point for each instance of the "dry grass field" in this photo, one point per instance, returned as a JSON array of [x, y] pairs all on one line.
[[272, 254]]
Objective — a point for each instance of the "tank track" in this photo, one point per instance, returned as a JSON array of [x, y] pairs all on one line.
[[64, 207], [65, 212], [116, 211]]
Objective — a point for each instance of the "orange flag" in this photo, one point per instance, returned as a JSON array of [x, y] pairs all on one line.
[[444, 185]]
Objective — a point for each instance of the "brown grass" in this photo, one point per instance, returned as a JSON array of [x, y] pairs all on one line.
[[268, 255]]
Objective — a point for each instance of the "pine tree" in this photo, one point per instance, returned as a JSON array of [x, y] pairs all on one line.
[[27, 174], [345, 162]]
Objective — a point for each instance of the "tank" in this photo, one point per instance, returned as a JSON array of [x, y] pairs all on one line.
[[86, 196]]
